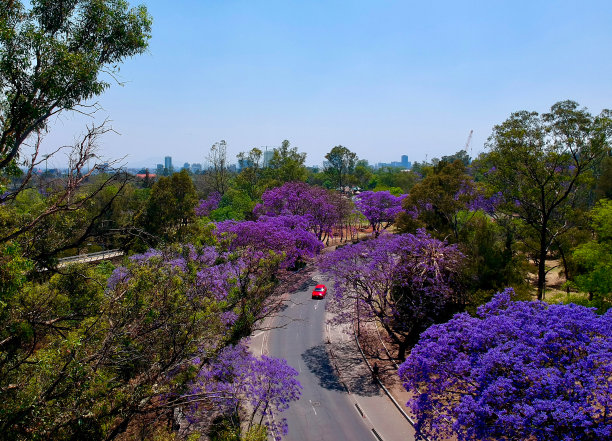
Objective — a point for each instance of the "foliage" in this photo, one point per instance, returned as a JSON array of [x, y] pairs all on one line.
[[494, 260], [87, 359], [380, 208], [286, 235], [52, 57], [218, 175], [440, 202], [234, 204], [250, 177], [286, 165], [206, 206], [340, 164], [300, 199], [519, 370], [406, 281], [170, 208], [236, 378], [542, 165], [595, 257]]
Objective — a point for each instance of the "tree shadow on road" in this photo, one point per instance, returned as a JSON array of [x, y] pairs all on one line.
[[353, 369], [318, 362]]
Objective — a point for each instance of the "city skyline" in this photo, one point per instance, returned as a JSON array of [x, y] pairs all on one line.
[[380, 78]]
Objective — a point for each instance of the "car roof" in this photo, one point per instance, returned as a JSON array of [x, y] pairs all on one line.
[[320, 286]]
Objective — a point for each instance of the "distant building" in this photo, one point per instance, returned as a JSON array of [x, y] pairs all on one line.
[[196, 168], [186, 166], [168, 164], [267, 155], [160, 169], [404, 164]]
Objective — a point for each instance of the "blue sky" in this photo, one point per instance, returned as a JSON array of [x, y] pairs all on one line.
[[383, 78]]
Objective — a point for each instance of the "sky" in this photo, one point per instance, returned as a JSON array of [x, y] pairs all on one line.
[[383, 78]]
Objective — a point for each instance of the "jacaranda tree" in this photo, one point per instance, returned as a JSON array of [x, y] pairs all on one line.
[[236, 381], [380, 208], [283, 235], [299, 198], [518, 370], [407, 282]]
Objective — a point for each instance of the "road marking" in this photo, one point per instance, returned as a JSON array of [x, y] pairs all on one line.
[[258, 334], [313, 408]]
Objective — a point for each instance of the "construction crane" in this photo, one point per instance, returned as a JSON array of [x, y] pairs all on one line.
[[467, 143]]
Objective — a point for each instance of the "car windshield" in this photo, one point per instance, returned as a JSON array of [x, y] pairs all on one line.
[[319, 289]]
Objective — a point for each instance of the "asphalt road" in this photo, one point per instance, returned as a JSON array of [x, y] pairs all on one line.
[[326, 411]]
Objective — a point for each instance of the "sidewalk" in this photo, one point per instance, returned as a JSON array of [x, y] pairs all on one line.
[[377, 348], [370, 400]]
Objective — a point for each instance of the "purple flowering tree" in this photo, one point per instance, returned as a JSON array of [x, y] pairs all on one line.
[[518, 370], [286, 235], [301, 199], [236, 382], [380, 208], [406, 281], [205, 206]]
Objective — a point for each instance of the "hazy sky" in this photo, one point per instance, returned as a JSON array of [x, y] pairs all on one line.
[[383, 78]]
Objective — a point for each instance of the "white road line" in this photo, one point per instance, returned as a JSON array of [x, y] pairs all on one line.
[[313, 408], [258, 334]]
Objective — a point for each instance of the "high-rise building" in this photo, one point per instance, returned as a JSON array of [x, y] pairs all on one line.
[[168, 164], [196, 167], [267, 156], [160, 169], [405, 161]]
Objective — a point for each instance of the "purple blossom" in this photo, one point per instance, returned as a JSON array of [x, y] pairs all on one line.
[[229, 318], [205, 206], [486, 204], [282, 235], [301, 199], [519, 370], [379, 207], [119, 275], [420, 270], [264, 387], [150, 254]]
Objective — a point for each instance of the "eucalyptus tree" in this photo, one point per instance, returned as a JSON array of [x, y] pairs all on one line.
[[542, 165], [56, 55]]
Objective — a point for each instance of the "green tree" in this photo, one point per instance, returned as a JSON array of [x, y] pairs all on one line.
[[171, 207], [53, 55], [542, 165], [363, 175], [250, 177], [595, 258], [236, 205], [219, 175], [340, 164], [441, 201], [287, 165]]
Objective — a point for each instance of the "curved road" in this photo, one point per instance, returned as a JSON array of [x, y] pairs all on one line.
[[326, 411]]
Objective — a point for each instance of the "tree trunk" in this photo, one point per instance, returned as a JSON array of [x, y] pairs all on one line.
[[542, 262]]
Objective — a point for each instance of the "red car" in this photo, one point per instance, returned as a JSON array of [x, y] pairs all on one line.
[[319, 292]]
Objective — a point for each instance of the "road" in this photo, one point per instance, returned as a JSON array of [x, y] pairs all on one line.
[[327, 411]]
